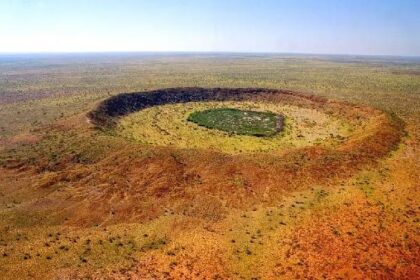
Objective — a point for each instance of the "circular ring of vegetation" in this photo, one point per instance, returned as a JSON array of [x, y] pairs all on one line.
[[373, 135], [168, 126], [241, 122]]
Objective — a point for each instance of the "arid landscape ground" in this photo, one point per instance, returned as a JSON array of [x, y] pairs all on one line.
[[102, 175]]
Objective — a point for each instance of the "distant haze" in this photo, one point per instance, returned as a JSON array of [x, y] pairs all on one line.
[[374, 27]]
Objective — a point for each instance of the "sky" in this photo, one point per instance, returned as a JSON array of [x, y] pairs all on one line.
[[371, 27]]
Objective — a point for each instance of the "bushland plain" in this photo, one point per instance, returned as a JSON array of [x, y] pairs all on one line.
[[68, 211]]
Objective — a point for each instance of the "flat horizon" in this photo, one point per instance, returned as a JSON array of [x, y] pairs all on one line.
[[208, 52]]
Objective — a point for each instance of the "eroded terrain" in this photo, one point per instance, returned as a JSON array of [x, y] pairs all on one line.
[[81, 202]]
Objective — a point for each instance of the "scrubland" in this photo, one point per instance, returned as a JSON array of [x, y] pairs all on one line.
[[338, 199]]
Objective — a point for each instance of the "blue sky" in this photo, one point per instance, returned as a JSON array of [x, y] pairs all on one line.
[[375, 27]]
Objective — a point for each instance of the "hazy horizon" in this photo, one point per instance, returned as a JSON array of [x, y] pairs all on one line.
[[204, 53]]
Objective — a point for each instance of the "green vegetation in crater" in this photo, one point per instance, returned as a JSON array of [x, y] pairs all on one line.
[[235, 121]]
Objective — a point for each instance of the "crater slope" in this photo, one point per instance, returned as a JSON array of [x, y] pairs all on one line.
[[140, 192]]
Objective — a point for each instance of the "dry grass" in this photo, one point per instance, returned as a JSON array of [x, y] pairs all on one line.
[[167, 125], [79, 203]]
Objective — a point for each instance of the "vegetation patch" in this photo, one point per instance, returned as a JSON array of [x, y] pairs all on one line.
[[168, 125], [235, 121]]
